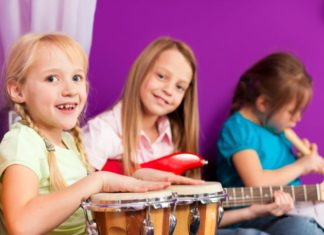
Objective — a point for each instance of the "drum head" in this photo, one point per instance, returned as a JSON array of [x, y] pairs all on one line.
[[207, 188], [109, 197], [210, 192], [131, 201]]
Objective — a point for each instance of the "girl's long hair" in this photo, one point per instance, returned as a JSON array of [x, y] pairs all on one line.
[[20, 60], [184, 120], [280, 77]]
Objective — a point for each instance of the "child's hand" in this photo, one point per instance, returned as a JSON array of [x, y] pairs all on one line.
[[283, 203], [164, 176], [112, 182], [312, 163]]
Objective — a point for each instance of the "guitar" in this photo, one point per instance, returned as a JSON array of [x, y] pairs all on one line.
[[245, 196], [307, 198], [177, 163]]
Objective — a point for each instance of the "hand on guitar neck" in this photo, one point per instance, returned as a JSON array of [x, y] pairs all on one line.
[[313, 161], [245, 196], [309, 200]]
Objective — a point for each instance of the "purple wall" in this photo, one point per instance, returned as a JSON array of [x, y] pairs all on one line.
[[227, 37]]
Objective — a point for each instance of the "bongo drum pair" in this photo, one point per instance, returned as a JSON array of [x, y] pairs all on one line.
[[178, 210]]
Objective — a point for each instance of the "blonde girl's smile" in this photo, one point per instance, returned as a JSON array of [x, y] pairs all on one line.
[[67, 106]]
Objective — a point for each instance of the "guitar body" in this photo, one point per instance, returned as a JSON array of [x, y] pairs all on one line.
[[115, 166], [178, 163]]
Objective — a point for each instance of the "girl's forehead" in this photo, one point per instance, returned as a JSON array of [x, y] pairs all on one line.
[[52, 53], [51, 49], [171, 54], [172, 60]]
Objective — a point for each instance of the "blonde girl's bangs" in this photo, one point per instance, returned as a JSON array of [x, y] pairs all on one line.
[[24, 52], [69, 46]]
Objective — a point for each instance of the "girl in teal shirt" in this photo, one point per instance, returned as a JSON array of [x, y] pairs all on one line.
[[253, 149]]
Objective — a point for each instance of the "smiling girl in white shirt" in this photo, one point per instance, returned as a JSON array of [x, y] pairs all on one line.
[[157, 114]]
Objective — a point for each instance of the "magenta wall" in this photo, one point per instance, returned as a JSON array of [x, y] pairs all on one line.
[[227, 37]]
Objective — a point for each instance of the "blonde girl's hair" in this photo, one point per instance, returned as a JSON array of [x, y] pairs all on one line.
[[18, 65], [184, 120], [280, 77]]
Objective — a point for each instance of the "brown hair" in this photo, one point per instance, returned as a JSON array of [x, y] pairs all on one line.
[[184, 120], [280, 78], [18, 64]]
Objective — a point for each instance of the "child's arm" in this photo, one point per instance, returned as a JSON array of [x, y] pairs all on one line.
[[283, 202], [27, 212], [249, 168]]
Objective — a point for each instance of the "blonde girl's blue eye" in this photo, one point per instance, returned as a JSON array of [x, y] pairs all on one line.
[[51, 78], [77, 78]]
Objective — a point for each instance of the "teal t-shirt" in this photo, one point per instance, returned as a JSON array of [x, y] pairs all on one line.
[[22, 145], [239, 133]]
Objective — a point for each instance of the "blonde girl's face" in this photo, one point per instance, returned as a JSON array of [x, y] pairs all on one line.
[[55, 89], [286, 117], [164, 87]]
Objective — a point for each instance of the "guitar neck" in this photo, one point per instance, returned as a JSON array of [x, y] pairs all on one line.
[[245, 196]]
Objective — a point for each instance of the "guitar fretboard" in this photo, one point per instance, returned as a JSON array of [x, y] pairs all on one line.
[[251, 195]]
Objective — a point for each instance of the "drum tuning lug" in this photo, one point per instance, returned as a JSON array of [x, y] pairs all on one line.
[[172, 223], [173, 217], [148, 227], [194, 221], [220, 214], [91, 226]]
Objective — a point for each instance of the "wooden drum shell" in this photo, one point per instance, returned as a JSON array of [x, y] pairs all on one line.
[[191, 196], [131, 222], [112, 216]]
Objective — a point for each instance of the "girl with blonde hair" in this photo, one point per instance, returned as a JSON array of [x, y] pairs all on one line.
[[157, 114], [43, 165]]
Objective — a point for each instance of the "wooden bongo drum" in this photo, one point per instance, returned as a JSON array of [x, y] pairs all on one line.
[[198, 208], [132, 213]]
